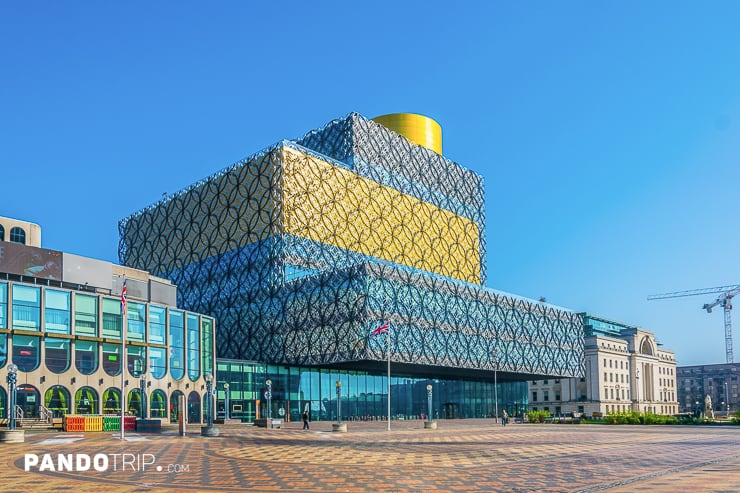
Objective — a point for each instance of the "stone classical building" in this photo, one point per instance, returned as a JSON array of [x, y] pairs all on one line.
[[626, 370]]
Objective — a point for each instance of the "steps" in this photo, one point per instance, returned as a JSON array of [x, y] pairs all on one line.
[[33, 424]]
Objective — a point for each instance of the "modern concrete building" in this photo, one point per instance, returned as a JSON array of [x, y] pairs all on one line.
[[626, 370], [301, 250], [721, 382], [61, 325]]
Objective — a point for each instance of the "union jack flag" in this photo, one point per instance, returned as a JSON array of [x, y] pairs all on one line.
[[123, 297], [383, 328]]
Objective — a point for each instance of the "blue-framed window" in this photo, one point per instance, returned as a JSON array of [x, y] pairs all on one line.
[[26, 307], [57, 311]]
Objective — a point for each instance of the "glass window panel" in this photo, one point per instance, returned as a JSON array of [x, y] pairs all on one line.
[[3, 403], [57, 311], [86, 401], [18, 235], [136, 360], [3, 349], [26, 307], [136, 322], [207, 345], [158, 362], [158, 404], [193, 346], [56, 399], [86, 357], [112, 318], [112, 358], [157, 324], [86, 315], [57, 354], [112, 401], [26, 353], [177, 344], [3, 305]]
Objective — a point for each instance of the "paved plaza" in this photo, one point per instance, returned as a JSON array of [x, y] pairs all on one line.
[[461, 456]]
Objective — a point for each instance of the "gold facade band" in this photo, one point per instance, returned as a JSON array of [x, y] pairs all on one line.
[[329, 204]]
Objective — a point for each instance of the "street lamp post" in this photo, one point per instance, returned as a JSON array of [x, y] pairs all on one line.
[[727, 401], [142, 391], [430, 424], [10, 434], [12, 376], [637, 388], [209, 430], [268, 396], [495, 383], [429, 402], [226, 392], [338, 384], [339, 426], [209, 392]]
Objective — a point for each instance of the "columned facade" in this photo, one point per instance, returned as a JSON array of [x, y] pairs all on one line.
[[626, 370]]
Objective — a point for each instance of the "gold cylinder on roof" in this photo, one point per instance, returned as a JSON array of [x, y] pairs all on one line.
[[419, 129]]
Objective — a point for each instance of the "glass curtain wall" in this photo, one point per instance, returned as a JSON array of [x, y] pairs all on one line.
[[363, 395]]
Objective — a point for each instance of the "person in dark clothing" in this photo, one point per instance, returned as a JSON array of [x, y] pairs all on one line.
[[305, 420]]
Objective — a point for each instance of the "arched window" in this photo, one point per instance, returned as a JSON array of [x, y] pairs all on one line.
[[56, 399], [28, 398], [112, 401], [2, 233], [86, 357], [193, 408], [158, 404], [136, 360], [193, 330], [58, 356], [646, 347], [134, 403], [3, 403], [3, 349], [175, 406], [86, 401], [26, 352], [112, 358], [17, 235], [158, 360], [177, 344]]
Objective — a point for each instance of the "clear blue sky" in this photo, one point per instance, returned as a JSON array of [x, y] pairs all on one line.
[[608, 133]]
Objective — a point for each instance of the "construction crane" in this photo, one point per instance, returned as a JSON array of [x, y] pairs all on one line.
[[726, 293]]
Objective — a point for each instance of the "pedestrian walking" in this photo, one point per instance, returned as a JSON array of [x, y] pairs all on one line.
[[305, 420], [505, 418]]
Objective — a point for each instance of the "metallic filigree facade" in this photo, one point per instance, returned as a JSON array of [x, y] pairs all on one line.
[[300, 250]]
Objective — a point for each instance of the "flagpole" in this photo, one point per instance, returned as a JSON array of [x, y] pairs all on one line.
[[389, 378], [124, 318]]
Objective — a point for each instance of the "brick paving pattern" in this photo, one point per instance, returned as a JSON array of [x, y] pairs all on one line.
[[461, 456]]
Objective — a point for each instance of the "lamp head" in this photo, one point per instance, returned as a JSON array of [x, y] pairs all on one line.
[[429, 387], [226, 385], [209, 377], [13, 368], [268, 382]]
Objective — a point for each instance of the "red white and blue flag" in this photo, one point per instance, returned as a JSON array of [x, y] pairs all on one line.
[[123, 297], [383, 328]]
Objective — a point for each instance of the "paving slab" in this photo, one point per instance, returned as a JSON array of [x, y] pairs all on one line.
[[460, 456]]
